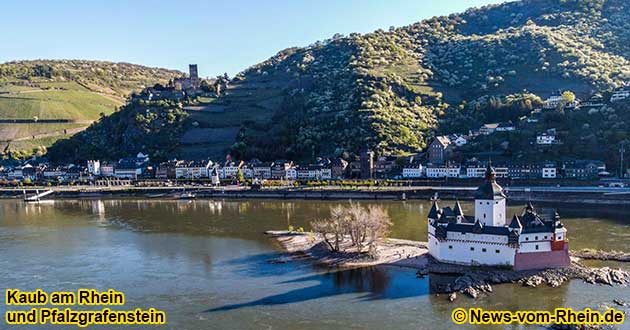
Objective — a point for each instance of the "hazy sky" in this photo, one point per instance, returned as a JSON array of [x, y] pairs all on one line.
[[221, 36]]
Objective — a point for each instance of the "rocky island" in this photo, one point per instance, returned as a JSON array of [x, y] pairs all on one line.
[[471, 281]]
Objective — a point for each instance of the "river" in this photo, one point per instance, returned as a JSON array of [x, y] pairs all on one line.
[[206, 264]]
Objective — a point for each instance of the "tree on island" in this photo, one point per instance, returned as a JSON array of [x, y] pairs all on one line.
[[361, 226]]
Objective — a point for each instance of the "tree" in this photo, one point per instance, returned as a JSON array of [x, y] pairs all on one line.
[[362, 226], [568, 97], [334, 228], [239, 176]]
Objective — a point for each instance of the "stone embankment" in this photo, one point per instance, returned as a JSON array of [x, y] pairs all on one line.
[[470, 281], [476, 281]]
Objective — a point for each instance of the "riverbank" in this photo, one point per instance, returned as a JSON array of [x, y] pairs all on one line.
[[471, 281], [552, 195]]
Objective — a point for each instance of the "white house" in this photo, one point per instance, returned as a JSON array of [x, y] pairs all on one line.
[[443, 171], [94, 167], [194, 169], [291, 173], [107, 169], [262, 170], [545, 138], [619, 95], [413, 170], [325, 173], [479, 171], [214, 176], [127, 170], [54, 172], [310, 172], [549, 172], [527, 242], [475, 171]]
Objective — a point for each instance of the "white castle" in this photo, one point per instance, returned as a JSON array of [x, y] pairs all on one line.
[[527, 242]]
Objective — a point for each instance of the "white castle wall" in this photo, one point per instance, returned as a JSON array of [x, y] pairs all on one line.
[[479, 250]]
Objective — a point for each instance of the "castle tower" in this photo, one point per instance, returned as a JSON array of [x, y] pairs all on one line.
[[490, 201], [367, 164], [194, 75]]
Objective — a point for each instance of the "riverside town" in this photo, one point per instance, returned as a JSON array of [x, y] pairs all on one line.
[[397, 165]]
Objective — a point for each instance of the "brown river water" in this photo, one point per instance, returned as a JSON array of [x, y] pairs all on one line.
[[206, 264]]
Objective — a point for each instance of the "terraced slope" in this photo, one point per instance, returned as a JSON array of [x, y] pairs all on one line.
[[43, 101]]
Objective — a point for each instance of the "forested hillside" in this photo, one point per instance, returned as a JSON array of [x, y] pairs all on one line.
[[393, 90]]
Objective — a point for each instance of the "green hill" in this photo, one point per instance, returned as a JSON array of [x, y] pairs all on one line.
[[393, 90], [73, 92]]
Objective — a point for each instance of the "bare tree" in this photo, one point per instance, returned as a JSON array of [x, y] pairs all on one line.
[[336, 226], [363, 226]]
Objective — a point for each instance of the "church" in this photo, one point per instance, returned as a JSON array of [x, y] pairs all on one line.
[[527, 241]]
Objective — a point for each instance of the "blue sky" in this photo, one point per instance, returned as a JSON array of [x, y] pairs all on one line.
[[221, 36]]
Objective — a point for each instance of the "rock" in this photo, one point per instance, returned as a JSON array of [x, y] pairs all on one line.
[[620, 302], [603, 276], [471, 292], [618, 276], [534, 281], [452, 297]]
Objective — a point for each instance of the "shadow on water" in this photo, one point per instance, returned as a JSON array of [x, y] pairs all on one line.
[[263, 265], [374, 283]]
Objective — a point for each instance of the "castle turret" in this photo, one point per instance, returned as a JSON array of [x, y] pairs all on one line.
[[490, 201], [434, 212], [515, 224]]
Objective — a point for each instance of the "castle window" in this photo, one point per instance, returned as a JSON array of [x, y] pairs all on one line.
[[536, 246], [545, 236], [559, 237], [483, 250], [472, 248], [527, 238], [536, 237], [484, 215], [497, 251], [487, 203], [450, 247]]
